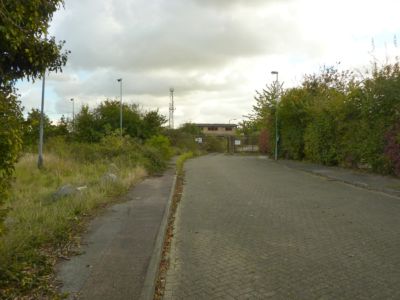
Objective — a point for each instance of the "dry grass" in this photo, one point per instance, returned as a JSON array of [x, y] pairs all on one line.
[[38, 224]]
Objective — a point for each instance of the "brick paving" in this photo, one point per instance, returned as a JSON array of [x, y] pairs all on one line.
[[248, 228]]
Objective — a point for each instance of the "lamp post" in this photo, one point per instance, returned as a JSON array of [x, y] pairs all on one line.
[[73, 114], [231, 120], [120, 107], [276, 113], [41, 129]]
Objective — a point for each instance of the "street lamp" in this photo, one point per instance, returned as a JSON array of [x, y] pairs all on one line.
[[231, 120], [276, 113], [73, 114], [41, 129], [120, 108]]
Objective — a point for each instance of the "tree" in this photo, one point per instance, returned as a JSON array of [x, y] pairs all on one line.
[[151, 124], [62, 127], [85, 126], [31, 127], [10, 142], [107, 116], [25, 52]]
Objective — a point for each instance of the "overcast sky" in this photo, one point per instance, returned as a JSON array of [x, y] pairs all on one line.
[[215, 53]]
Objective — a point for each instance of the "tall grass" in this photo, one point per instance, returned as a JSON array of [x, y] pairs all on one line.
[[181, 161], [39, 226]]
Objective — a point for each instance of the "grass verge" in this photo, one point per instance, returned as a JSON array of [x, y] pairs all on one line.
[[164, 264], [42, 228]]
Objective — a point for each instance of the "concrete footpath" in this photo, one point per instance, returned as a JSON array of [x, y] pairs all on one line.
[[122, 247], [386, 184]]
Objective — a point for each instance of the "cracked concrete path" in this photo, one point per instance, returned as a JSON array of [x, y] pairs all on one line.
[[249, 228], [118, 245]]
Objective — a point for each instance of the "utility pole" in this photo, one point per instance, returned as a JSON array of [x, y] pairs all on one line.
[[73, 114], [120, 106], [171, 108], [40, 158], [276, 113]]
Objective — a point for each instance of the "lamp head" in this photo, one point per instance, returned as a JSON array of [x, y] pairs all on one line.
[[274, 72], [119, 79]]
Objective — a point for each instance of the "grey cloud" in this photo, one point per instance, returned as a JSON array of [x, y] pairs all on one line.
[[156, 44], [230, 3], [142, 35]]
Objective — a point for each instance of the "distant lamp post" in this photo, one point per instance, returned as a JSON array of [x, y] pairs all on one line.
[[120, 106], [41, 129], [276, 113], [73, 114], [231, 120]]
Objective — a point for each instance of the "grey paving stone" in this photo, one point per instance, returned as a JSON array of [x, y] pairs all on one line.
[[248, 228]]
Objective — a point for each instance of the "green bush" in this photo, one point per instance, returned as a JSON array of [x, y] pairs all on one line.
[[183, 138], [334, 118], [162, 144], [10, 144], [214, 144]]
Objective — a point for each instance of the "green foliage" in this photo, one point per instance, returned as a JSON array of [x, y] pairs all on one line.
[[151, 124], [293, 120], [214, 144], [85, 127], [392, 148], [10, 143], [181, 161], [38, 224], [162, 144], [26, 52], [183, 138], [31, 128], [191, 129], [263, 142], [92, 125], [336, 119]]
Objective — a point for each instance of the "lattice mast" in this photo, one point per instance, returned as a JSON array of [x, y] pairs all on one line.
[[171, 108]]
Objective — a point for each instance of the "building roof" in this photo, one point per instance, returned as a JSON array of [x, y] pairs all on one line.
[[214, 125]]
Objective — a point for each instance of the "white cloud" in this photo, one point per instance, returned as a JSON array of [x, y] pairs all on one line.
[[214, 52]]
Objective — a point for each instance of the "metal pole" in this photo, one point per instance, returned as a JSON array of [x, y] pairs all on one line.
[[171, 108], [276, 113], [73, 114], [120, 106], [40, 158]]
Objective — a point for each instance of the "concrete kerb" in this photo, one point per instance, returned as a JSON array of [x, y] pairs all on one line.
[[149, 285]]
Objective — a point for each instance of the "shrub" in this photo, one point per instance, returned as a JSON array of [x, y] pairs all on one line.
[[214, 144], [392, 148], [162, 144], [263, 142], [10, 144]]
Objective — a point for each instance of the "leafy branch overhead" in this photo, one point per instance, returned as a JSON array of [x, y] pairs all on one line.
[[25, 47]]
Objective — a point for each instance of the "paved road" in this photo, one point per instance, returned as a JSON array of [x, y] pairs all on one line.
[[248, 228]]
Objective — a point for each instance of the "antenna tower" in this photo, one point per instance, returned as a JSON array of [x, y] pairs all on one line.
[[171, 108]]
